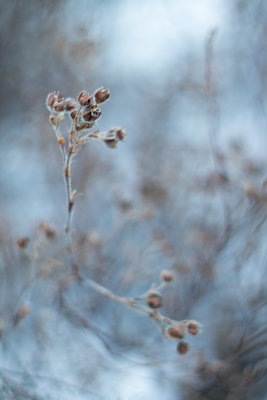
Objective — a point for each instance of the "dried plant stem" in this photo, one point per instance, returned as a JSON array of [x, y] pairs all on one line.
[[159, 319], [70, 207], [70, 203], [83, 114]]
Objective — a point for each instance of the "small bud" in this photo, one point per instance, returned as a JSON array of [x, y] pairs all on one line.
[[59, 96], [85, 99], [154, 299], [176, 332], [22, 312], [22, 242], [48, 230], [101, 95], [182, 347], [59, 106], [166, 275], [193, 327], [70, 104], [50, 99], [60, 140]]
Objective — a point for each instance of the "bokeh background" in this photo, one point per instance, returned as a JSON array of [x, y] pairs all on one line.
[[186, 191]]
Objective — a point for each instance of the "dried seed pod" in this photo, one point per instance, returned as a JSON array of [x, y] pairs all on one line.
[[193, 327], [183, 347], [73, 113], [101, 95], [70, 104], [96, 112], [166, 275], [111, 140], [22, 242], [154, 299], [50, 99], [176, 332], [59, 106], [85, 99], [120, 133], [91, 113]]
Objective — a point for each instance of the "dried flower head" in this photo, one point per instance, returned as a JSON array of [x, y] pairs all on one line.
[[166, 275], [22, 242], [70, 104], [85, 99], [53, 99], [101, 95], [176, 332], [113, 136], [154, 299], [193, 327], [59, 106], [48, 230], [183, 347], [91, 113]]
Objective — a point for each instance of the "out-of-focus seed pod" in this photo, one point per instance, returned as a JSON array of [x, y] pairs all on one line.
[[193, 327], [85, 99], [101, 95], [22, 312], [176, 332], [22, 242], [166, 275], [154, 299], [48, 230], [120, 133], [182, 347]]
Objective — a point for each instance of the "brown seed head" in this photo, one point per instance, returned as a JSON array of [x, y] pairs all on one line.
[[120, 134], [166, 275], [22, 242], [70, 104], [101, 95], [73, 113], [59, 106], [85, 99], [91, 114], [50, 99], [22, 312], [176, 332], [154, 299], [182, 347], [193, 327], [48, 230]]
